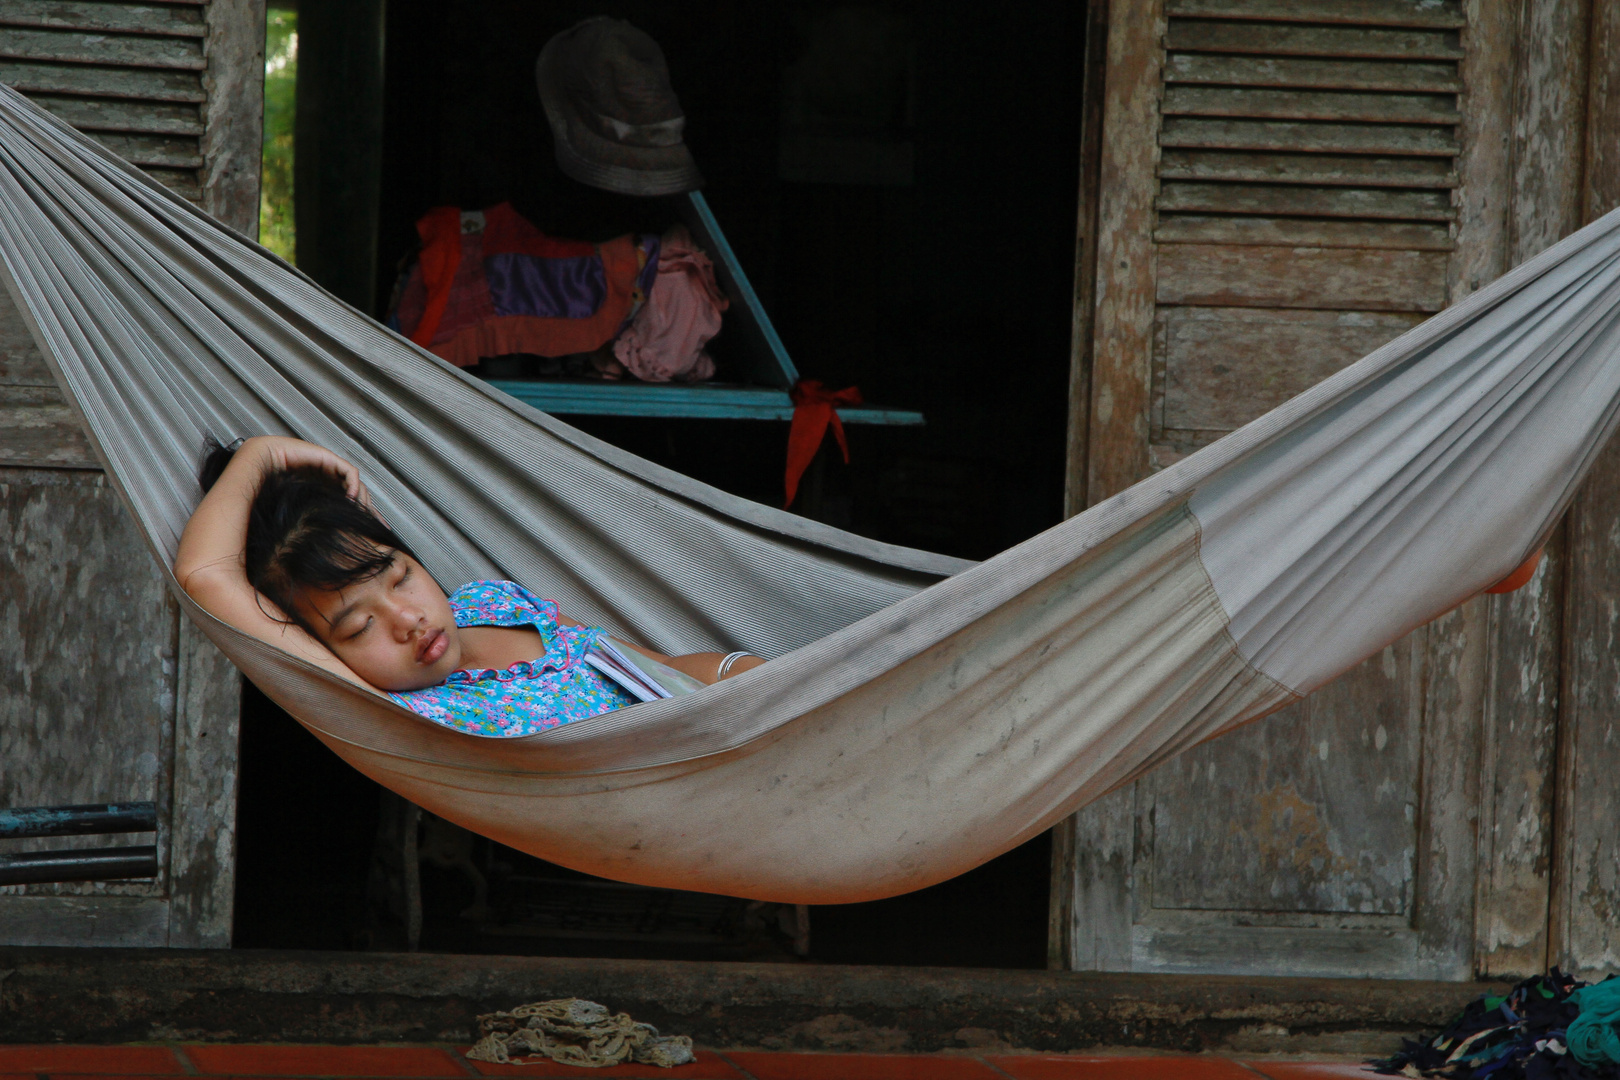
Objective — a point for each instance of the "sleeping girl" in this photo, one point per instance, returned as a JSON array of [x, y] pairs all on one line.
[[285, 547]]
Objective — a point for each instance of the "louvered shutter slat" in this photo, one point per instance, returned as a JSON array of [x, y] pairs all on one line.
[[1279, 39], [1446, 14], [1323, 74], [71, 47], [169, 20], [1311, 105], [108, 82], [1303, 232], [1347, 170], [1320, 138], [144, 117], [173, 153], [1308, 201]]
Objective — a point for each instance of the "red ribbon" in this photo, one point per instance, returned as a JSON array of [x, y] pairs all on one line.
[[440, 230], [814, 407]]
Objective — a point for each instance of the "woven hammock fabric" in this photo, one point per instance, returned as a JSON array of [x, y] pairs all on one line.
[[921, 715]]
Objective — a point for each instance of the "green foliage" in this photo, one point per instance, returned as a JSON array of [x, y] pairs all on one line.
[[276, 163]]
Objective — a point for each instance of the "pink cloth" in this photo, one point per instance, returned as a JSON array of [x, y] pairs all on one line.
[[665, 340]]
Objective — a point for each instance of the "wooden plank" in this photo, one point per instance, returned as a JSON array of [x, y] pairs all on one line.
[[90, 654], [1097, 880], [145, 84], [1323, 74], [202, 834], [84, 921], [1484, 139], [1444, 15], [1123, 334], [1516, 840], [1519, 754], [1082, 314], [20, 361], [1328, 41], [1336, 278], [1181, 131], [1457, 655], [1267, 104], [1298, 833], [1223, 367], [1584, 935], [39, 430], [183, 54], [1259, 951], [1314, 169], [160, 150], [88, 15], [1090, 862], [232, 146], [1549, 115], [183, 182], [1586, 887], [113, 114], [1602, 171], [1302, 232], [1330, 202]]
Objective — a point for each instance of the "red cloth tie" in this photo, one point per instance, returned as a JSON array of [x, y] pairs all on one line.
[[440, 230], [814, 407]]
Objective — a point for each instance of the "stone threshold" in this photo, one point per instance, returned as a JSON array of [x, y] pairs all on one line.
[[90, 995]]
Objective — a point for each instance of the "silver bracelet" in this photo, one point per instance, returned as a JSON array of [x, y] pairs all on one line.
[[725, 665]]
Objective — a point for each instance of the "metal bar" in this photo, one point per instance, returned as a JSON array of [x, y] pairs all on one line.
[[93, 818], [91, 864]]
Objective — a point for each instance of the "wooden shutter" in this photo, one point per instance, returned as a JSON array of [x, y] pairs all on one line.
[[130, 75], [114, 696], [1282, 188], [1305, 208]]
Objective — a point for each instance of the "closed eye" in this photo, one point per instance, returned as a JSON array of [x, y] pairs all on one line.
[[363, 628]]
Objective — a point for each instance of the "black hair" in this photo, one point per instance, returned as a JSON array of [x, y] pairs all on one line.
[[305, 532]]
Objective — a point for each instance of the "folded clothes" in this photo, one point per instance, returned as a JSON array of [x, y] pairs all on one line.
[[666, 338], [488, 283]]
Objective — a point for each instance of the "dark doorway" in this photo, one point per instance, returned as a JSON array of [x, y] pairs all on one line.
[[899, 180]]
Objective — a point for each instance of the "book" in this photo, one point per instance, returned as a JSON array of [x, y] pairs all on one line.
[[616, 665]]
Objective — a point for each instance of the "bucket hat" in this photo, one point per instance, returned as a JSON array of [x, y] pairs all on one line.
[[614, 116]]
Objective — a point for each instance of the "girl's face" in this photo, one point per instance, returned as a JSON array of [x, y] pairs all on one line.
[[394, 630]]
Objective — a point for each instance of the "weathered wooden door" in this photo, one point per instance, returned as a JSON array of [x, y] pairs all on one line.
[[1280, 188], [106, 693]]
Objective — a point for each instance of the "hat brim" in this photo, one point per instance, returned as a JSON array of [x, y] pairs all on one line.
[[602, 163]]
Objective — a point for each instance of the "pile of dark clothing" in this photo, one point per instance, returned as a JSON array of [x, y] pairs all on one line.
[[1550, 1027]]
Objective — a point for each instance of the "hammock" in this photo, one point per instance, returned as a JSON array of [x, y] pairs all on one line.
[[920, 714]]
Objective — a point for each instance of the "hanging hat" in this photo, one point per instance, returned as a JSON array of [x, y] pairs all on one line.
[[614, 116]]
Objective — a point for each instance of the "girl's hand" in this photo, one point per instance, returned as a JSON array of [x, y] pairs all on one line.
[[275, 452]]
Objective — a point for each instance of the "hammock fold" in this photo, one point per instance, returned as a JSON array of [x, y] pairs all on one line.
[[920, 714]]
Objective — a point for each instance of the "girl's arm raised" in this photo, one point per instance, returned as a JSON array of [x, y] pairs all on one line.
[[211, 563]]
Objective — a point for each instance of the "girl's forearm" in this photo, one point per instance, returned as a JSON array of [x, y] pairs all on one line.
[[703, 666], [216, 535]]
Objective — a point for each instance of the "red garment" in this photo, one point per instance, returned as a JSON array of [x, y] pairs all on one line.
[[440, 230], [814, 407], [447, 304]]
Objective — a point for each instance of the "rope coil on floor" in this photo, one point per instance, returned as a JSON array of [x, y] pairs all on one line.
[[571, 1031]]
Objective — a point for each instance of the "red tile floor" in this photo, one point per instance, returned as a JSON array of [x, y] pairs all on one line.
[[389, 1062]]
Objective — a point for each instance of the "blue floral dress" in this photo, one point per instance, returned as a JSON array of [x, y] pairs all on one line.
[[529, 696]]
